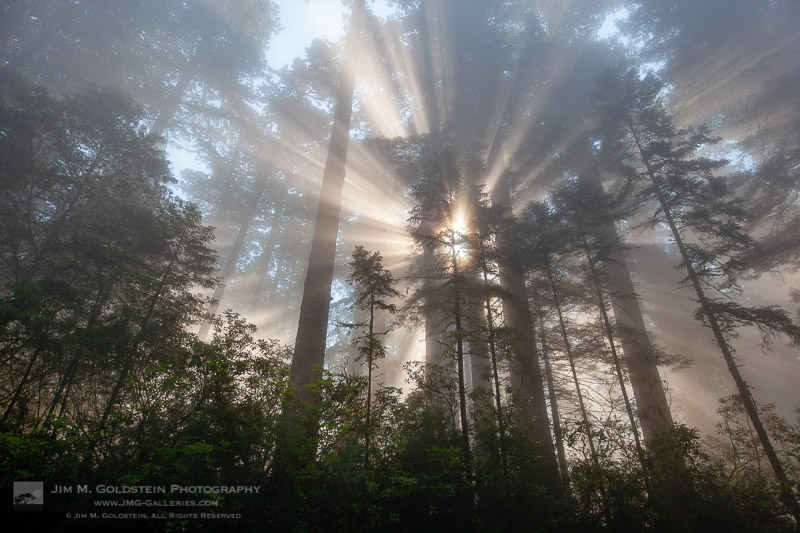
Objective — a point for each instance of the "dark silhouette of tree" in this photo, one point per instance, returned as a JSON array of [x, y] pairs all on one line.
[[309, 354], [95, 250], [582, 205], [545, 239]]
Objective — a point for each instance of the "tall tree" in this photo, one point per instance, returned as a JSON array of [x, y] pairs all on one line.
[[545, 238], [312, 328], [704, 219], [581, 205], [525, 374], [92, 239]]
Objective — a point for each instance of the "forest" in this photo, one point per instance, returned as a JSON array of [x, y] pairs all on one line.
[[459, 265]]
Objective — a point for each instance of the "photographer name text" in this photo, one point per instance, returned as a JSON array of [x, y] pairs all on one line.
[[156, 489]]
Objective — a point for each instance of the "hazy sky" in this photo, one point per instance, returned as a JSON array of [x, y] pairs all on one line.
[[302, 22], [306, 20]]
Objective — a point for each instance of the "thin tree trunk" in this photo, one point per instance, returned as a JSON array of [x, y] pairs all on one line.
[[601, 303], [173, 100], [22, 383], [495, 376], [573, 369], [233, 256], [651, 400], [369, 378], [466, 452], [65, 384], [581, 404], [130, 354], [256, 303], [551, 390]]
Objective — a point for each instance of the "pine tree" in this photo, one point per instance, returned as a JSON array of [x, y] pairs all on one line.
[[545, 238], [705, 220], [373, 286]]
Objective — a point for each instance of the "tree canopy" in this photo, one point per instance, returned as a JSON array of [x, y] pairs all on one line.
[[580, 316]]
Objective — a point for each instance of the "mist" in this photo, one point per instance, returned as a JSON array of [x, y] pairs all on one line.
[[186, 185]]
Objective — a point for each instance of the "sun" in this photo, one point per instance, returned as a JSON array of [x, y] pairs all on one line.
[[459, 225]]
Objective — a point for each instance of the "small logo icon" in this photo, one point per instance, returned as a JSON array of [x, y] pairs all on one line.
[[28, 495]]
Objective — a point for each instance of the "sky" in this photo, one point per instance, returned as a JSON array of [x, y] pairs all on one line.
[[302, 22], [306, 20]]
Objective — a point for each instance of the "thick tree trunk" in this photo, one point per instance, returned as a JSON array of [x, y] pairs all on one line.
[[651, 400], [479, 358], [525, 372], [312, 328]]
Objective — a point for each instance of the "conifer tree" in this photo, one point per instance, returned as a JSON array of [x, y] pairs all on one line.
[[373, 286], [704, 218], [545, 238], [309, 354]]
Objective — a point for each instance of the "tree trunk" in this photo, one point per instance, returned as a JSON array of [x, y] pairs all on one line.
[[573, 369], [479, 357], [312, 328], [131, 353], [21, 386], [434, 351], [495, 378], [370, 356], [551, 390], [524, 368], [581, 404], [173, 99], [601, 304], [651, 400], [466, 451]]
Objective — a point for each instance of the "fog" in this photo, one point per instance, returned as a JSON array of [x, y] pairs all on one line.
[[245, 98]]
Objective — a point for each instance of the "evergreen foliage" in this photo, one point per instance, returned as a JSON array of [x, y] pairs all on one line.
[[125, 361]]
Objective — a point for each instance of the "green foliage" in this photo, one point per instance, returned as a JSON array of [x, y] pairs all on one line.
[[103, 382]]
